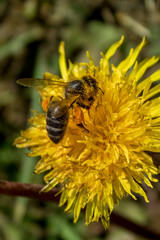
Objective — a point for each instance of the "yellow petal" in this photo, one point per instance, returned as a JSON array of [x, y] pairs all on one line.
[[62, 61], [111, 51], [50, 185], [155, 90], [78, 205], [142, 67], [125, 65], [153, 78]]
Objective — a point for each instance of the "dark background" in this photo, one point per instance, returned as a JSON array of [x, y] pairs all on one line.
[[30, 33]]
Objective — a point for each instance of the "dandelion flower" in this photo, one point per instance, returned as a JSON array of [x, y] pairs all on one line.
[[98, 167]]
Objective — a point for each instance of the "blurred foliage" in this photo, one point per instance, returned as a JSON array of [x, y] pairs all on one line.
[[30, 33]]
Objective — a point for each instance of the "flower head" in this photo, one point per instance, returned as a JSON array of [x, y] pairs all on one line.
[[107, 160]]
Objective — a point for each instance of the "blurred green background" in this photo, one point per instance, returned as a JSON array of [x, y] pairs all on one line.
[[30, 33]]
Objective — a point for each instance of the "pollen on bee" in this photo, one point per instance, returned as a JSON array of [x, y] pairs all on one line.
[[78, 116], [45, 103]]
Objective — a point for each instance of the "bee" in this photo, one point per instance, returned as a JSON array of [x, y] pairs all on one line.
[[77, 92]]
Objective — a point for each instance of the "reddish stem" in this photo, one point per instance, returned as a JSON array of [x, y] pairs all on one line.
[[33, 191]]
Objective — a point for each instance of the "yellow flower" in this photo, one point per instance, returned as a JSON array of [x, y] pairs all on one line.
[[98, 167]]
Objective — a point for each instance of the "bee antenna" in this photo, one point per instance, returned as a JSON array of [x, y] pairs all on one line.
[[101, 90]]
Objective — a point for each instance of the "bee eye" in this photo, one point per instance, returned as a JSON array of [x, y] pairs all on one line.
[[90, 99]]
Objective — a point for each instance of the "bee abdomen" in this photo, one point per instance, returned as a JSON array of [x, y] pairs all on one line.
[[56, 127]]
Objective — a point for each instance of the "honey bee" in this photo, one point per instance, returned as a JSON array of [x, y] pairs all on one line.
[[77, 92]]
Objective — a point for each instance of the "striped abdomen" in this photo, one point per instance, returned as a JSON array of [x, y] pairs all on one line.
[[56, 120]]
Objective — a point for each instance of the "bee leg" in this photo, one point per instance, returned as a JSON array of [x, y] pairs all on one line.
[[60, 98], [89, 114], [81, 125], [102, 92]]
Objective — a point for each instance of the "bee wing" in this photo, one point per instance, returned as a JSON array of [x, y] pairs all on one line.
[[39, 83]]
